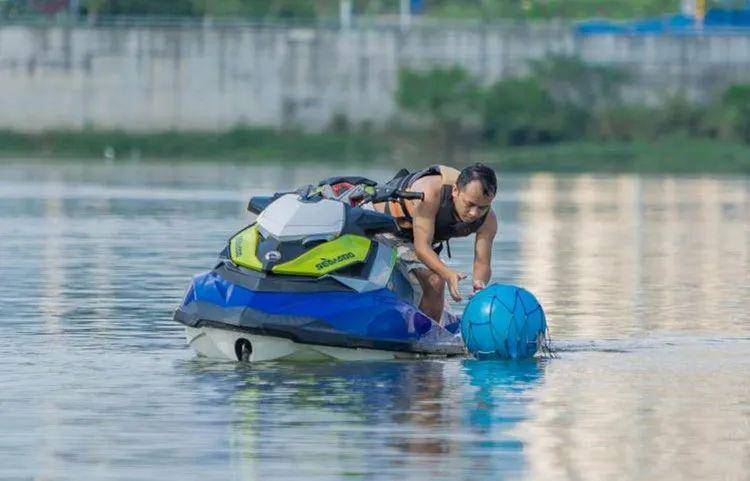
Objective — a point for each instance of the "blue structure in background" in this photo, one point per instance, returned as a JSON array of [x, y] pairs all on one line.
[[716, 21]]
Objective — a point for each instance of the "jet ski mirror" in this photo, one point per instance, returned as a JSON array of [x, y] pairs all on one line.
[[259, 202]]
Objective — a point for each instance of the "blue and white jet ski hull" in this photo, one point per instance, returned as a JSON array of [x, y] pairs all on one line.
[[230, 321]]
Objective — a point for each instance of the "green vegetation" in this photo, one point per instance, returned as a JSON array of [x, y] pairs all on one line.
[[545, 9], [668, 155], [242, 143], [298, 10], [576, 108], [520, 111], [736, 105], [672, 154], [565, 115], [450, 98], [316, 10]]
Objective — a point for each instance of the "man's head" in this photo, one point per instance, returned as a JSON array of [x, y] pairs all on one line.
[[474, 191]]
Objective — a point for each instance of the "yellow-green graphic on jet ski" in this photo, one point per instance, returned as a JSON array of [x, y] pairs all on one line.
[[330, 256], [320, 260], [242, 249]]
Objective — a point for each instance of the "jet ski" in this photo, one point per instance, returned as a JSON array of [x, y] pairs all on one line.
[[313, 278]]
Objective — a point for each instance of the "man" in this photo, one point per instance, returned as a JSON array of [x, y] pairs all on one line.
[[455, 204]]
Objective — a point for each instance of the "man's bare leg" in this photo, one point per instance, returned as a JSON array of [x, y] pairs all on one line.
[[433, 293]]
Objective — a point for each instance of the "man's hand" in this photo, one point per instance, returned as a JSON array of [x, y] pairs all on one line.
[[478, 285], [452, 280]]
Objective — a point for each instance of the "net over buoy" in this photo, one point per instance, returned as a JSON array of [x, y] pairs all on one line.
[[503, 322]]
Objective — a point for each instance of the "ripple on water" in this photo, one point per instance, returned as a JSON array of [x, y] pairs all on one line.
[[645, 284]]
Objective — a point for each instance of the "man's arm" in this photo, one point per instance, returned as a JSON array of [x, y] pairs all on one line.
[[424, 229], [483, 252]]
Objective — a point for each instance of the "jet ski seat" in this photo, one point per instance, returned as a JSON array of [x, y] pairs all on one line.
[[369, 222]]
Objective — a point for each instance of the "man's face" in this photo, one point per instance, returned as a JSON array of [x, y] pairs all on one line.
[[470, 202]]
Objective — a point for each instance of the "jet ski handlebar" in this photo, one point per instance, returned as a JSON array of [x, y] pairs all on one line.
[[358, 196], [385, 194], [405, 194]]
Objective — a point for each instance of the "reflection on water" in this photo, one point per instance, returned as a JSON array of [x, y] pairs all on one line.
[[382, 419], [679, 410], [627, 255], [645, 280]]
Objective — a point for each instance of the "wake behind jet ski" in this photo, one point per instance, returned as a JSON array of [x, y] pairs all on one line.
[[313, 278]]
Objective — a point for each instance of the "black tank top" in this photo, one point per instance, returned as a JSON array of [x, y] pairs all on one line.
[[447, 223]]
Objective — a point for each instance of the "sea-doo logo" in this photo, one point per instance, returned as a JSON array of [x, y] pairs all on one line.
[[238, 246], [273, 256], [333, 261]]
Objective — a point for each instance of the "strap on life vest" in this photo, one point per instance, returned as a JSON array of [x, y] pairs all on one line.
[[398, 211], [403, 180]]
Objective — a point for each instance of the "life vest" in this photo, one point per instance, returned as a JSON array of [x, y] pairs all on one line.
[[447, 223]]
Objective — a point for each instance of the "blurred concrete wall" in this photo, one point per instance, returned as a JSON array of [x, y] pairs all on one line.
[[215, 77]]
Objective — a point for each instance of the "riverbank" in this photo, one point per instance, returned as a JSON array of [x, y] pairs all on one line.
[[251, 144], [668, 155], [673, 155]]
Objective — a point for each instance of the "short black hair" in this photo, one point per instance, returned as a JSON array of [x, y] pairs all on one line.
[[485, 175]]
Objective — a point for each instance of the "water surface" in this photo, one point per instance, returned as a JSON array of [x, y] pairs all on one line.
[[645, 281]]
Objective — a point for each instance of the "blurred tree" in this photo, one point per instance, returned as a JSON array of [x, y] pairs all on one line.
[[258, 9], [519, 111], [572, 81], [497, 9], [586, 95], [449, 98], [139, 7], [623, 123], [487, 10], [678, 115], [736, 104], [269, 9]]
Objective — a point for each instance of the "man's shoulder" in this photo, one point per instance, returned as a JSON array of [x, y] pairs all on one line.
[[429, 185], [490, 222]]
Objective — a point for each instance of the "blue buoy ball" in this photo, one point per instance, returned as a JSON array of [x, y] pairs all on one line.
[[503, 322]]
